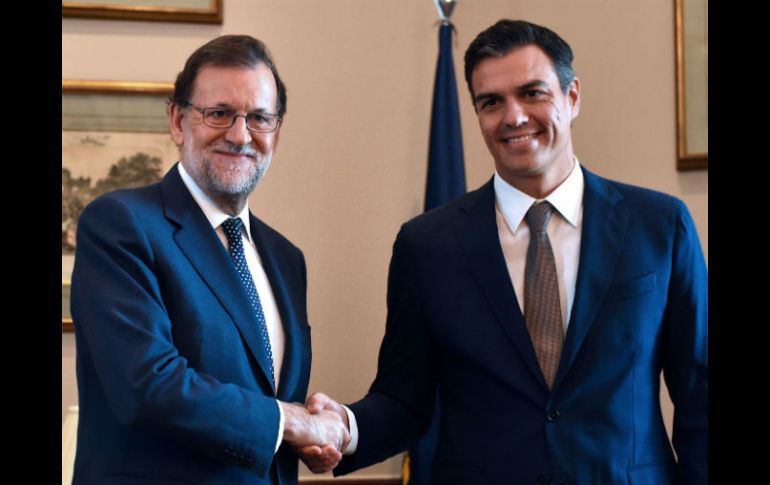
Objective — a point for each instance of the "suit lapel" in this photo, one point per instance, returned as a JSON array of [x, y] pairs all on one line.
[[603, 233], [478, 237], [293, 348], [200, 244]]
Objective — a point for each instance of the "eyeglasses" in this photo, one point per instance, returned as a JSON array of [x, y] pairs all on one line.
[[225, 118]]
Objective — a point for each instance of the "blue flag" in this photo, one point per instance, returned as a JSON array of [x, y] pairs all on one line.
[[446, 171], [445, 182]]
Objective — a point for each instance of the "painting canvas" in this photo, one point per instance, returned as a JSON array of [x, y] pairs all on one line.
[[113, 136], [691, 18], [94, 163]]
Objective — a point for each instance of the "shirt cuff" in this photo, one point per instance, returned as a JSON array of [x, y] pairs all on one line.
[[281, 423], [353, 430]]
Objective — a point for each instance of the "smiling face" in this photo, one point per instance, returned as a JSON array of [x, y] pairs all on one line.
[[525, 118], [226, 163]]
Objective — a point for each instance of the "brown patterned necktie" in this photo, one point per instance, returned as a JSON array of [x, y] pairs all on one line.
[[542, 310]]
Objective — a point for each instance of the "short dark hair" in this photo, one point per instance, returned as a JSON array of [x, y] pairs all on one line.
[[227, 51], [507, 35]]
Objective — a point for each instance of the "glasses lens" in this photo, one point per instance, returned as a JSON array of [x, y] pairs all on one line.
[[261, 122], [224, 118], [218, 118]]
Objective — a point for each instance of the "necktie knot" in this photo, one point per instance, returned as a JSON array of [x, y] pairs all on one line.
[[232, 228], [538, 216]]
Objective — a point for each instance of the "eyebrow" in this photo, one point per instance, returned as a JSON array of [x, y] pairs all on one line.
[[484, 96], [229, 107], [532, 84]]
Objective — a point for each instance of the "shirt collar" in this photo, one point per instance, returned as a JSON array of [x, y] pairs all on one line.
[[213, 213], [567, 199]]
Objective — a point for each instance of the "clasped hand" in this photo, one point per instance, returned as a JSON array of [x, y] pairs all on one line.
[[318, 431]]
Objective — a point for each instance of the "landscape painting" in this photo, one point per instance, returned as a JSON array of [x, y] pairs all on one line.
[[114, 136]]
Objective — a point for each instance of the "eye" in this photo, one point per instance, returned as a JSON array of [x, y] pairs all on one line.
[[219, 114], [534, 93], [489, 103], [258, 118]]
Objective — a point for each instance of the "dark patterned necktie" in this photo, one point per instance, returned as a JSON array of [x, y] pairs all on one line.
[[232, 229], [542, 310]]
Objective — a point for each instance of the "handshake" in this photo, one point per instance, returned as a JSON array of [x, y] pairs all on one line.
[[318, 432]]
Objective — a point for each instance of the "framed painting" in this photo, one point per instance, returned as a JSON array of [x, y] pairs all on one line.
[[196, 11], [66, 318], [114, 135], [691, 28]]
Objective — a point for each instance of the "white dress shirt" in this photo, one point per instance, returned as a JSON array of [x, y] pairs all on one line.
[[564, 232], [275, 332]]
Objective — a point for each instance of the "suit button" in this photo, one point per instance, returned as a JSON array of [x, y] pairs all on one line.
[[553, 416]]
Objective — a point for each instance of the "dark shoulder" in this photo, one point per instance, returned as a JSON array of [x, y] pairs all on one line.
[[638, 199], [140, 201], [434, 226]]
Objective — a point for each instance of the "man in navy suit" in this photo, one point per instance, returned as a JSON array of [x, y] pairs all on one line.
[[190, 313], [630, 300]]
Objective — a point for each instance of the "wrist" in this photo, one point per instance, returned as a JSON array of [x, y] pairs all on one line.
[[290, 424]]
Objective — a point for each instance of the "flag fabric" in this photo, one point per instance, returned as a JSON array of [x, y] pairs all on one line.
[[445, 182], [446, 171]]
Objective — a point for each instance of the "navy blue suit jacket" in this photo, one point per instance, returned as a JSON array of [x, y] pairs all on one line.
[[172, 376], [454, 322]]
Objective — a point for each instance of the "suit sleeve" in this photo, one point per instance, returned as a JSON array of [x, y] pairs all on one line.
[[400, 402], [686, 351], [125, 331]]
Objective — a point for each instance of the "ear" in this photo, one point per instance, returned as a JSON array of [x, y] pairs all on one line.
[[175, 115], [574, 97]]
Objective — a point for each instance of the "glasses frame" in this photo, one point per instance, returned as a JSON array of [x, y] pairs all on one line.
[[202, 111]]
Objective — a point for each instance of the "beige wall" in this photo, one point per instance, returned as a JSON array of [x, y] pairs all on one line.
[[352, 160]]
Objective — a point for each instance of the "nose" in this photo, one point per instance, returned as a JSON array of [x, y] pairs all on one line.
[[238, 134], [515, 114]]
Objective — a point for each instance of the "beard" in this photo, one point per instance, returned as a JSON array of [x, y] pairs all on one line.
[[237, 181]]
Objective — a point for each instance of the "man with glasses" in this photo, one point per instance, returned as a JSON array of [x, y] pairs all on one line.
[[189, 312]]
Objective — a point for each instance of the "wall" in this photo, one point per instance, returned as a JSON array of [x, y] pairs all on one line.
[[352, 160]]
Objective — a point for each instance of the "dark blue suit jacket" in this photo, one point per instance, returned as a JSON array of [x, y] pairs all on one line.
[[454, 321], [172, 377]]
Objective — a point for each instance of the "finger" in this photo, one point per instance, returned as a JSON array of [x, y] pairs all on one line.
[[326, 462], [317, 402], [320, 469], [319, 466], [345, 442], [331, 453], [310, 451]]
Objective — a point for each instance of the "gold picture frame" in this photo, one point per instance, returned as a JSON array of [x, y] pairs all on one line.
[[194, 11], [114, 135], [66, 318], [691, 33]]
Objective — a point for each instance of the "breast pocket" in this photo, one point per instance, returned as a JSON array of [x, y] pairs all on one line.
[[634, 287]]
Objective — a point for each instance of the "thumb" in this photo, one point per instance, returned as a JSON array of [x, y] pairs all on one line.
[[319, 401]]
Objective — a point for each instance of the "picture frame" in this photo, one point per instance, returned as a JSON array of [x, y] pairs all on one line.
[[114, 135], [193, 11], [691, 34], [66, 318]]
